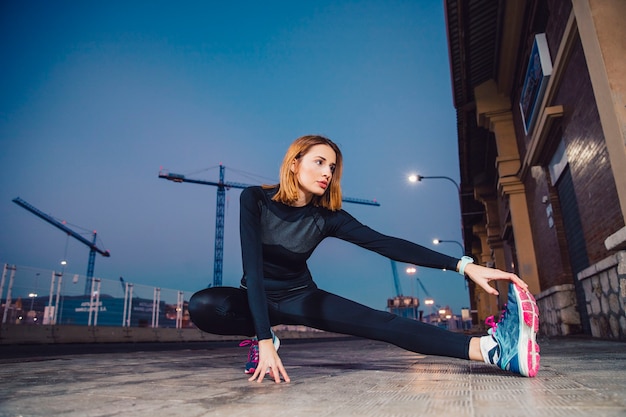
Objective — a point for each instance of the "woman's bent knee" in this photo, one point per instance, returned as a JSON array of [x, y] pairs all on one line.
[[220, 310]]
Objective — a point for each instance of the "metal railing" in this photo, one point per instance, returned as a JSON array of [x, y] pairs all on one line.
[[31, 296]]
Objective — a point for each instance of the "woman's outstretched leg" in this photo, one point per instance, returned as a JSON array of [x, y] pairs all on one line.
[[511, 343], [222, 310], [325, 311]]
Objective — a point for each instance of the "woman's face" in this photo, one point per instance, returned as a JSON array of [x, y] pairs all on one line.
[[314, 170]]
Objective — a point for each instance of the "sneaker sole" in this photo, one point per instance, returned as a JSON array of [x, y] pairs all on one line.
[[528, 347]]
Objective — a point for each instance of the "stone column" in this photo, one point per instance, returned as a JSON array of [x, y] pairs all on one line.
[[486, 304], [493, 112], [493, 247]]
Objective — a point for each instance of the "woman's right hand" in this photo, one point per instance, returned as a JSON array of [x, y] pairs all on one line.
[[482, 275], [269, 359]]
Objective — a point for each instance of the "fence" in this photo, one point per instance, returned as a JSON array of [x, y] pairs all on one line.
[[30, 296]]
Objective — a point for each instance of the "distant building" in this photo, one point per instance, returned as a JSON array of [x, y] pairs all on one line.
[[404, 306]]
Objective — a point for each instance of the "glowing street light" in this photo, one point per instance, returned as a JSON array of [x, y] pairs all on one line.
[[418, 178], [32, 296], [438, 241]]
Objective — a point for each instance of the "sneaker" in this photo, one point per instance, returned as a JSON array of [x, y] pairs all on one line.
[[253, 352], [253, 355], [516, 348]]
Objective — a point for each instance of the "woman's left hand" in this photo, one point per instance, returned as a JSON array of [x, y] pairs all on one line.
[[269, 361], [482, 275]]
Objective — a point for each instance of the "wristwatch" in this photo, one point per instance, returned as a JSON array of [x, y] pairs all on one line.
[[464, 261]]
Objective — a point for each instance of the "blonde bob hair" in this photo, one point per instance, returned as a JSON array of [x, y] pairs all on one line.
[[288, 187]]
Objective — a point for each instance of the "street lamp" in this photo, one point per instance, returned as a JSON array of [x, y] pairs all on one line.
[[429, 302], [411, 270], [419, 178], [438, 241], [32, 297]]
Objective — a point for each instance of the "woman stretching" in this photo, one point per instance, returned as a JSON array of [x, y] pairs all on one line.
[[280, 227]]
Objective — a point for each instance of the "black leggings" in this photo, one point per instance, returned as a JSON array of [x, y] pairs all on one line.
[[225, 311]]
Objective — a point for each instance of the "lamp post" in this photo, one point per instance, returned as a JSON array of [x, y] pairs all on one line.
[[429, 302], [438, 241], [419, 178], [411, 270], [32, 297]]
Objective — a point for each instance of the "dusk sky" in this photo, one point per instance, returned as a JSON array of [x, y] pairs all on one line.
[[96, 97]]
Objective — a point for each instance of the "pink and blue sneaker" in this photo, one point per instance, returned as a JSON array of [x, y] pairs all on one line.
[[516, 347]]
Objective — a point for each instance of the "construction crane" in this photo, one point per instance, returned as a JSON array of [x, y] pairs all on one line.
[[222, 186], [92, 245], [396, 279], [403, 306], [419, 281], [406, 306]]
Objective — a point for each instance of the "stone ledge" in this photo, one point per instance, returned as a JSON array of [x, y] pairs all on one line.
[[552, 290], [13, 334], [617, 240], [618, 259]]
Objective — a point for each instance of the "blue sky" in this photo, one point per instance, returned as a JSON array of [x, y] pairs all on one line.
[[96, 97]]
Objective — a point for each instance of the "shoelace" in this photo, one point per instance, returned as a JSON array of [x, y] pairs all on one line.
[[491, 320], [253, 353]]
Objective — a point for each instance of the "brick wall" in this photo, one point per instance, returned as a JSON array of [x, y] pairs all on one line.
[[558, 13], [563, 296], [552, 260], [549, 239], [600, 214], [588, 157]]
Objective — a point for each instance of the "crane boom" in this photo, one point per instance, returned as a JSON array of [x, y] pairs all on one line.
[[219, 212], [419, 281], [92, 245], [181, 178], [60, 225]]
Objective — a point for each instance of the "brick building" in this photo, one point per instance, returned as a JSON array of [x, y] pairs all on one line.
[[539, 87]]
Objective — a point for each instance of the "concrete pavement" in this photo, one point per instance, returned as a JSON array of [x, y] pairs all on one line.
[[330, 377]]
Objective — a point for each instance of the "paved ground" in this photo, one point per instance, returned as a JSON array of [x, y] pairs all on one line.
[[340, 377]]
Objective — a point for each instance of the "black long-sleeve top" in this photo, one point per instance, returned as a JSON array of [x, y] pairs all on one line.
[[277, 240]]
